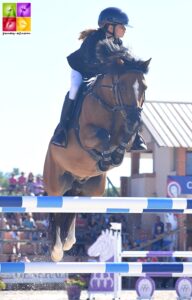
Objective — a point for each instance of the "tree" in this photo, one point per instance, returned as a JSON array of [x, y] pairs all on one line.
[[3, 180]]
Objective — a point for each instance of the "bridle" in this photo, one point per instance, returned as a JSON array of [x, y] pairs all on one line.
[[125, 109]]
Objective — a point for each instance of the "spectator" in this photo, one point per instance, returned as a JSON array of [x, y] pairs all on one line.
[[25, 259], [6, 225], [158, 230], [15, 236], [30, 184], [169, 239], [12, 184], [13, 258], [21, 183], [29, 223], [158, 227], [38, 186], [44, 244]]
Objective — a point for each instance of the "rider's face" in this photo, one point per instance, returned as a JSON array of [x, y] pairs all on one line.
[[119, 30]]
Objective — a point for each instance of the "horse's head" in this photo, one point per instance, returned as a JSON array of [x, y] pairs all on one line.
[[123, 76]]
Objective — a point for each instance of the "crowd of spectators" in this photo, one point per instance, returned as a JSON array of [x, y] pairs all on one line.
[[25, 185], [23, 235], [26, 235]]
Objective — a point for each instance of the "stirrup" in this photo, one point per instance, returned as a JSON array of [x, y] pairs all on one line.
[[139, 144], [139, 147]]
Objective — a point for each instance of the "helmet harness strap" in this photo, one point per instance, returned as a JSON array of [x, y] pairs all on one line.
[[112, 34]]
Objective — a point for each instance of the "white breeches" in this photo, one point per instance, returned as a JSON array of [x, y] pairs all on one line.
[[76, 80]]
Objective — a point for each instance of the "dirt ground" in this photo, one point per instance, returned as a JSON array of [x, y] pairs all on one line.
[[61, 295]]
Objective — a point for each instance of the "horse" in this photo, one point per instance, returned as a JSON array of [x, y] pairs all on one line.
[[103, 130]]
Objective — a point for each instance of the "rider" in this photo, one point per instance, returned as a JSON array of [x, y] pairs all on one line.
[[84, 62]]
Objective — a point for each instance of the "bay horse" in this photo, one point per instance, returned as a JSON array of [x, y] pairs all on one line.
[[104, 128]]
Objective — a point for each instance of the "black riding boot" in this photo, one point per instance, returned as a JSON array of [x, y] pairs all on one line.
[[60, 137], [139, 143]]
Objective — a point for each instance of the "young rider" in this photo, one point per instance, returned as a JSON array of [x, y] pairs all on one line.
[[84, 62]]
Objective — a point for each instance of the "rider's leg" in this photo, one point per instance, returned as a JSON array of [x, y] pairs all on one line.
[[139, 142], [60, 136]]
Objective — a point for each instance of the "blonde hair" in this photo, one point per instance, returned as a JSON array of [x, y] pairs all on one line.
[[85, 33]]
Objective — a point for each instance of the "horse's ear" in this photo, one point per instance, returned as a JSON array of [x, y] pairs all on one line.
[[146, 63]]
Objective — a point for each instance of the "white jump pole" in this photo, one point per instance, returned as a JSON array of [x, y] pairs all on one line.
[[132, 268], [60, 204]]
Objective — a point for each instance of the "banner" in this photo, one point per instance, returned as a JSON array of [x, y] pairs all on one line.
[[179, 185]]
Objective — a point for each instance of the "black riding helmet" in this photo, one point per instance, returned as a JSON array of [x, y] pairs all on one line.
[[112, 15]]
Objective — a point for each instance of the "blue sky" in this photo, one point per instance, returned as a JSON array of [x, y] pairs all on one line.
[[34, 75]]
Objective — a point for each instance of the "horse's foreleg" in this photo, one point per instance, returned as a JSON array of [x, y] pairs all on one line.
[[63, 234], [97, 138], [57, 250], [71, 239], [129, 131], [104, 137], [118, 154]]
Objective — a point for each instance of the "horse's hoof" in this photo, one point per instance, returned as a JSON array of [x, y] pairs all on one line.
[[69, 244], [57, 254]]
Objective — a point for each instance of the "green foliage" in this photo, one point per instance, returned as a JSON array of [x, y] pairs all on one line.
[[3, 180], [2, 285], [77, 280], [16, 171]]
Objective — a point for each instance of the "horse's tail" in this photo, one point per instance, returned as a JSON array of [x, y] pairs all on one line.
[[85, 33]]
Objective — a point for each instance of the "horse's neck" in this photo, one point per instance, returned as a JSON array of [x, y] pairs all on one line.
[[103, 90]]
